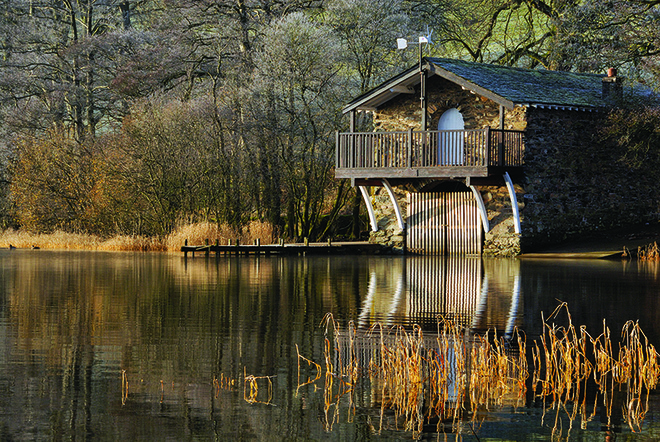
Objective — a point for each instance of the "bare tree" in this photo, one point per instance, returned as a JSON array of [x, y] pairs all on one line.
[[298, 75]]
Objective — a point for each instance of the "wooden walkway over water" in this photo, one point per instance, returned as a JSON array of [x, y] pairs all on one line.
[[338, 248]]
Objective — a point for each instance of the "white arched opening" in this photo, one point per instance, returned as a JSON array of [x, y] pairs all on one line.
[[450, 142]]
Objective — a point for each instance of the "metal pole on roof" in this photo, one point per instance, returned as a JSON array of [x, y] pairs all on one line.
[[402, 43], [422, 90]]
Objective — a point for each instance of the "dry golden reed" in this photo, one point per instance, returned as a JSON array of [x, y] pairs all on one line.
[[55, 240], [196, 234], [568, 359], [649, 252], [223, 383], [124, 387], [419, 378], [251, 388], [448, 379]]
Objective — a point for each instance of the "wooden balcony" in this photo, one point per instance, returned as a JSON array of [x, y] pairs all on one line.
[[428, 154]]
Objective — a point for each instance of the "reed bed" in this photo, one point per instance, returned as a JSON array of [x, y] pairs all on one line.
[[132, 243], [59, 240], [420, 379], [568, 359], [649, 252], [54, 240], [196, 233], [449, 378]]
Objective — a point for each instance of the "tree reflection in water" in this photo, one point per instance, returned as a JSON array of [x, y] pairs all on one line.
[[152, 346]]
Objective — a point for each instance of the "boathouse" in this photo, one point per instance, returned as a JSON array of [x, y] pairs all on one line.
[[471, 158]]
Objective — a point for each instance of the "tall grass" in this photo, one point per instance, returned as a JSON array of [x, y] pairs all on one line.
[[196, 233], [568, 359], [446, 378], [449, 378], [649, 252], [55, 240]]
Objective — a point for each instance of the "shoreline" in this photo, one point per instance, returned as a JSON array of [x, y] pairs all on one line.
[[608, 244], [598, 245], [193, 233]]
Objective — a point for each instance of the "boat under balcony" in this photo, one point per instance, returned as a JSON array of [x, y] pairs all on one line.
[[431, 154]]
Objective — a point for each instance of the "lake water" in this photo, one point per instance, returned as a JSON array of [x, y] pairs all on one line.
[[142, 346]]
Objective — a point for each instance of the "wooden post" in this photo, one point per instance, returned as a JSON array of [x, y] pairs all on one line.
[[306, 242], [487, 136], [500, 138], [337, 150], [208, 247], [352, 157], [185, 251], [423, 97], [410, 143]]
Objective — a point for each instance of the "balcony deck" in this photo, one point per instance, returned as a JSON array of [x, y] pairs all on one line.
[[428, 154]]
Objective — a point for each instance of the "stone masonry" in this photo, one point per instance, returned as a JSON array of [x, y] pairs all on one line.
[[572, 184]]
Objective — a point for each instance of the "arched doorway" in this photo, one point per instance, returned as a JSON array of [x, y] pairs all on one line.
[[450, 140]]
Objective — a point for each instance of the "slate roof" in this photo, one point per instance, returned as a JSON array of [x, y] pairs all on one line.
[[529, 86], [505, 85]]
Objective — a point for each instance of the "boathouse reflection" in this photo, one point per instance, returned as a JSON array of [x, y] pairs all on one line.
[[475, 293]]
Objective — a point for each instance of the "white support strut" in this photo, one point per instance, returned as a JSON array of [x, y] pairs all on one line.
[[514, 202], [482, 208], [370, 208], [395, 203]]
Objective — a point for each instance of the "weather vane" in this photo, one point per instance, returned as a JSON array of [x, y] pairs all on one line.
[[402, 43]]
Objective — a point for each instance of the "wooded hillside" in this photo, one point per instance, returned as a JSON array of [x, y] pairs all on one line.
[[130, 117]]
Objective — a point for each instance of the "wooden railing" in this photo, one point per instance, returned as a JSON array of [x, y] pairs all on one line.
[[421, 149]]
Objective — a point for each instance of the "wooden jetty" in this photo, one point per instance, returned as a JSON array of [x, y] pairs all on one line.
[[306, 248]]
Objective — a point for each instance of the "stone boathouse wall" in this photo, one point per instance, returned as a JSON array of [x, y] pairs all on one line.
[[571, 183]]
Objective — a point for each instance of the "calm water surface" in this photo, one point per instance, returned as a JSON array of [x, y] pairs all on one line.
[[114, 346]]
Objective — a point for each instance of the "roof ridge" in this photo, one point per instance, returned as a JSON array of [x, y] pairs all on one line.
[[513, 68]]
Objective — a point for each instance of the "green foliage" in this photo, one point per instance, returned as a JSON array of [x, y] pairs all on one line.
[[366, 31], [637, 132], [132, 119]]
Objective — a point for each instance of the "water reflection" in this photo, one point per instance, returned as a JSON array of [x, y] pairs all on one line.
[[477, 294], [187, 332]]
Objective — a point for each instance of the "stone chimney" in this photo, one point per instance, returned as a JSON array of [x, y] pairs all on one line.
[[612, 85]]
